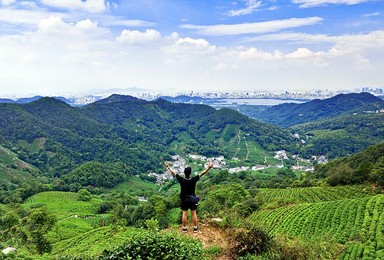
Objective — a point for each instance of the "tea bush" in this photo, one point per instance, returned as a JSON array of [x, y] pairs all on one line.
[[152, 245]]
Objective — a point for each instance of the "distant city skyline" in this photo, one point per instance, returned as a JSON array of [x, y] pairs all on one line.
[[216, 99], [54, 47]]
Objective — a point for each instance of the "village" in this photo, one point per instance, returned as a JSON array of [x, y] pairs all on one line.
[[179, 163]]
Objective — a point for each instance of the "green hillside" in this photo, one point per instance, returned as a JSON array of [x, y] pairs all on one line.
[[367, 165], [64, 204], [352, 133], [79, 233], [335, 127], [57, 138], [17, 178], [355, 223], [314, 194], [290, 114], [73, 216], [91, 243]]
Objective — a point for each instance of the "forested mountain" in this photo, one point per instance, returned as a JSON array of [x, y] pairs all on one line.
[[358, 168], [290, 114], [341, 136], [137, 134], [338, 126], [92, 152], [31, 99]]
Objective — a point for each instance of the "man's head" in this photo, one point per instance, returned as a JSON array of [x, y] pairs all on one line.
[[187, 172]]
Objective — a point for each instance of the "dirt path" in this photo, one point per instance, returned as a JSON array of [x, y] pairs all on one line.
[[211, 235]]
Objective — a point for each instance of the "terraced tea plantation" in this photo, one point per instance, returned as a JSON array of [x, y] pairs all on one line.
[[73, 216], [351, 216], [315, 194]]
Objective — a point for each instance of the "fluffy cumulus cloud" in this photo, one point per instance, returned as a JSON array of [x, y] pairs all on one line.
[[93, 6], [137, 37], [190, 43], [253, 53], [313, 3], [55, 25]]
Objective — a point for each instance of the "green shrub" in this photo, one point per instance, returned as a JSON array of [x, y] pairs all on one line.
[[250, 240], [84, 195], [149, 245], [212, 252], [296, 248], [152, 225], [174, 216]]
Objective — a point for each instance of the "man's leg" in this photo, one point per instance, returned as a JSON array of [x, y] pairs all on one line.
[[184, 218], [194, 217]]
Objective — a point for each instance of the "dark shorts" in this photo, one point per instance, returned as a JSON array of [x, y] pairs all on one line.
[[185, 205]]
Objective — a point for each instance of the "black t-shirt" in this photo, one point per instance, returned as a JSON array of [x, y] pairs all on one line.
[[187, 185]]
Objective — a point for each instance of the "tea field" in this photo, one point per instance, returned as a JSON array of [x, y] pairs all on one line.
[[349, 215]]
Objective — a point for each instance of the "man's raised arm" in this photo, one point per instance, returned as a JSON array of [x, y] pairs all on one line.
[[206, 170], [170, 169]]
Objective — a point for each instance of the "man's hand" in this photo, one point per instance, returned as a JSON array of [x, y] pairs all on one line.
[[210, 165], [170, 169]]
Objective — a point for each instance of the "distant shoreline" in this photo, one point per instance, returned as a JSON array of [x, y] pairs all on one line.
[[261, 101]]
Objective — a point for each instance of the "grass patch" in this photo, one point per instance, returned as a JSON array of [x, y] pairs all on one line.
[[93, 242], [38, 143], [64, 204], [138, 187]]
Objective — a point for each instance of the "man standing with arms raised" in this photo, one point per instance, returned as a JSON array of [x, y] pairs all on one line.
[[187, 194]]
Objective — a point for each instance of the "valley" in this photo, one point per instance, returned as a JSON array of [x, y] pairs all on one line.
[[90, 182]]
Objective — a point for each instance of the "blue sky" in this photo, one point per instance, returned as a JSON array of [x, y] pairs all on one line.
[[62, 47]]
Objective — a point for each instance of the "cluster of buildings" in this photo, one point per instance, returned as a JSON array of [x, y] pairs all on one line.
[[179, 163], [262, 94], [256, 94]]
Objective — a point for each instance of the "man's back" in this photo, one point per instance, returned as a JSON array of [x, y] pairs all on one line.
[[188, 186]]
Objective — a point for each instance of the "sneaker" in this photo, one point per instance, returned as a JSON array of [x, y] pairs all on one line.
[[184, 229], [195, 229]]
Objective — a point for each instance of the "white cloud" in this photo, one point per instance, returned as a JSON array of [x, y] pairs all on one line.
[[137, 37], [28, 4], [23, 17], [300, 38], [372, 14], [7, 2], [301, 53], [68, 53], [188, 50], [86, 25], [253, 53], [313, 3], [253, 28], [128, 23], [194, 43], [92, 6], [251, 6], [54, 24], [347, 52], [348, 43]]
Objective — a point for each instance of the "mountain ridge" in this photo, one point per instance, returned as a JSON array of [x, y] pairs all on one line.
[[125, 129], [289, 114]]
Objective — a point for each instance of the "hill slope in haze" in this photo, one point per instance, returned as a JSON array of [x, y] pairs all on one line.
[[289, 114]]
